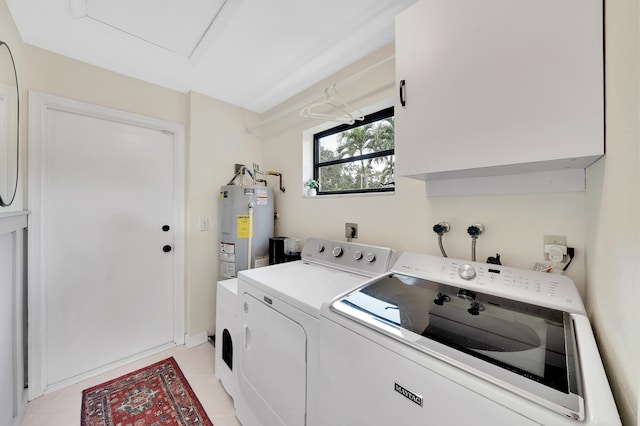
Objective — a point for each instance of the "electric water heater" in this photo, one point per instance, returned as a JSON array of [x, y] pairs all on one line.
[[246, 224]]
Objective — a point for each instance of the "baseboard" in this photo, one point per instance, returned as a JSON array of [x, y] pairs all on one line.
[[195, 340], [22, 409]]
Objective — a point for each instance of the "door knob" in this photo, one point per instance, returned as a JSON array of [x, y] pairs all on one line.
[[166, 248]]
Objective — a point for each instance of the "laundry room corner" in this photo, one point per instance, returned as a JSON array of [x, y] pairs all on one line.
[[613, 213], [515, 224], [217, 141]]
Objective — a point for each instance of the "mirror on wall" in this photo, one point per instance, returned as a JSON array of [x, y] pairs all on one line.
[[9, 119]]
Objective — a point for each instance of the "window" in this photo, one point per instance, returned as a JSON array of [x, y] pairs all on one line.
[[356, 158]]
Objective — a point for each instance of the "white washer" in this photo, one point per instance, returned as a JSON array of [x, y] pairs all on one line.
[[448, 342], [279, 307]]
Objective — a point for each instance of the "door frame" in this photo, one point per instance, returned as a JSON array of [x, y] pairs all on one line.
[[39, 106]]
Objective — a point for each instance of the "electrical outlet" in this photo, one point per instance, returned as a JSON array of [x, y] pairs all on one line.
[[558, 240], [555, 247], [351, 230]]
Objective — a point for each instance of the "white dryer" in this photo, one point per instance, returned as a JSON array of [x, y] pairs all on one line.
[[227, 332], [447, 342], [279, 307]]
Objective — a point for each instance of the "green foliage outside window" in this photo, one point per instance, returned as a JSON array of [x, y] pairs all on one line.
[[357, 158]]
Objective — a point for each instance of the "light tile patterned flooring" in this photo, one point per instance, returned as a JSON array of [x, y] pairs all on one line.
[[62, 407]]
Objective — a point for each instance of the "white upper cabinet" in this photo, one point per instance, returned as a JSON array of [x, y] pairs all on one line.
[[498, 87]]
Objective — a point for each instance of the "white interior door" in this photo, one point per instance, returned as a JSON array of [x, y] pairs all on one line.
[[109, 216]]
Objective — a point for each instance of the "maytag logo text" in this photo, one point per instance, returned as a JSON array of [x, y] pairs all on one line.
[[417, 399]]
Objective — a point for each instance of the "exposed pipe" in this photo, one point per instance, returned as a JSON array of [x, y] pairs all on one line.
[[250, 237], [240, 172], [256, 171], [272, 173], [440, 229], [473, 231], [444, 253]]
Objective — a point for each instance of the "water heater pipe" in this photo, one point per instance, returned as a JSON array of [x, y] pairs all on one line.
[[250, 236], [256, 171], [240, 172], [272, 173]]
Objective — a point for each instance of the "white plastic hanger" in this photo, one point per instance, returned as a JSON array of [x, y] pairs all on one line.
[[347, 116]]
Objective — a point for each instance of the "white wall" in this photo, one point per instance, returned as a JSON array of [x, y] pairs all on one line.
[[515, 224], [217, 141], [613, 212]]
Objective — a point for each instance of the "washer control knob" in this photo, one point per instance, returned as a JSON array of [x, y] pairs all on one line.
[[319, 248], [357, 255], [337, 251], [466, 272], [370, 257]]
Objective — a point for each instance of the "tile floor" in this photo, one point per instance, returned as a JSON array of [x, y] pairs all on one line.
[[62, 407]]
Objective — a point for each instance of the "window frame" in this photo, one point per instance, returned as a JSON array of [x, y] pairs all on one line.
[[370, 118]]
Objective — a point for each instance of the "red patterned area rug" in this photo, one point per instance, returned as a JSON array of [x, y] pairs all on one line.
[[157, 395]]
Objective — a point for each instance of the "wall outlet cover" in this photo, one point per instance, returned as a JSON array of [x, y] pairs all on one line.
[[351, 230], [556, 240], [555, 247]]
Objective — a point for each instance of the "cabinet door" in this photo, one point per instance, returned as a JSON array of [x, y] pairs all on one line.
[[499, 87]]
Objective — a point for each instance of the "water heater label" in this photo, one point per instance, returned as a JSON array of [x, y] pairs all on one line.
[[227, 248], [244, 222], [262, 197], [227, 270]]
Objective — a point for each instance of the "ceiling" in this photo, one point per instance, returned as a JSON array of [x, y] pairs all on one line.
[[251, 53]]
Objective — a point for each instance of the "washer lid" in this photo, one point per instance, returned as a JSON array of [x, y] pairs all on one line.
[[525, 348]]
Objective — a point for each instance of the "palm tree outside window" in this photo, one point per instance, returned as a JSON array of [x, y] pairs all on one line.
[[356, 158]]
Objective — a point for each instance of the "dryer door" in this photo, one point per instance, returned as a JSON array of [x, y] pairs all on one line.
[[272, 375]]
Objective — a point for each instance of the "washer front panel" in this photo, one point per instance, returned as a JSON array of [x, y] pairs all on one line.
[[527, 348]]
